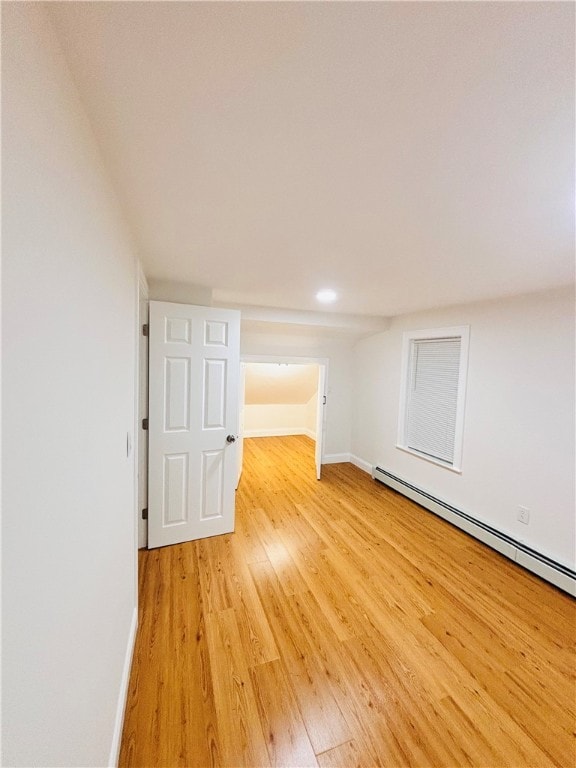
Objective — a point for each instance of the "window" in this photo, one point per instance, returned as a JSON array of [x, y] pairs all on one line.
[[434, 365]]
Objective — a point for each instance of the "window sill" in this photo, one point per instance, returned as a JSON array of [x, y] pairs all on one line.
[[430, 459]]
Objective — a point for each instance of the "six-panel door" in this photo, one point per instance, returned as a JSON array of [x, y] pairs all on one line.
[[193, 421]]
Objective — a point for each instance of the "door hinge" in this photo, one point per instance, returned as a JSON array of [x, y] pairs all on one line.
[[324, 400], [144, 423], [145, 330], [145, 514]]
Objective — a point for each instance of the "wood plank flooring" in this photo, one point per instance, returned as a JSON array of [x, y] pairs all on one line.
[[343, 626]]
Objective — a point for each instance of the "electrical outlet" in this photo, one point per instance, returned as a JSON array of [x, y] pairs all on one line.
[[524, 515]]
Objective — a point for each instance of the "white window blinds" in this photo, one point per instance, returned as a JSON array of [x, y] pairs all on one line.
[[432, 397]]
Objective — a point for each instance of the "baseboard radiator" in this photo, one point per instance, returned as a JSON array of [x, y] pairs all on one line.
[[543, 566]]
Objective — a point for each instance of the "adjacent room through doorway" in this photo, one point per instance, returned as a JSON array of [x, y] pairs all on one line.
[[281, 398]]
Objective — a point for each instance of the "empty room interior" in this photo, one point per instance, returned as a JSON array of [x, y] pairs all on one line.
[[288, 384]]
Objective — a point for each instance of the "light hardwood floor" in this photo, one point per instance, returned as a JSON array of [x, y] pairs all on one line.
[[343, 625]]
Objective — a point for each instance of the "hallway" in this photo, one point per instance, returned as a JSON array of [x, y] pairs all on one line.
[[342, 625]]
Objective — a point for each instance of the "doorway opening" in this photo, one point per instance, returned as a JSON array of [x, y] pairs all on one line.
[[282, 396]]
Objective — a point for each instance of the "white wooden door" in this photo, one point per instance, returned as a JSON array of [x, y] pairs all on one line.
[[320, 419], [193, 421]]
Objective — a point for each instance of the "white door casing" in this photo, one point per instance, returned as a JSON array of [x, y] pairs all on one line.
[[241, 405], [320, 409], [142, 413], [193, 414]]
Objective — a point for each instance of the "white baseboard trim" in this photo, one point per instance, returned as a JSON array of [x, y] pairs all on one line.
[[335, 458], [279, 432], [365, 466], [123, 693]]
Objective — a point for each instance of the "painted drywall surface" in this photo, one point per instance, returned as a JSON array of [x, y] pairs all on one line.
[[280, 383], [310, 410], [338, 352], [179, 293], [278, 398], [410, 153], [263, 419], [69, 290], [519, 421]]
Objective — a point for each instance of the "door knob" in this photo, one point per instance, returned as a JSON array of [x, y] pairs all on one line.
[[230, 439]]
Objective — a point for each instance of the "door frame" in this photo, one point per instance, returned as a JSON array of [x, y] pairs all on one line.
[[322, 362], [141, 437], [241, 404]]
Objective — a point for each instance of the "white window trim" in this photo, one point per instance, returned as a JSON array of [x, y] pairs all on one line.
[[463, 332]]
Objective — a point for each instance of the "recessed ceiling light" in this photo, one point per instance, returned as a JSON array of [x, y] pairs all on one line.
[[326, 295]]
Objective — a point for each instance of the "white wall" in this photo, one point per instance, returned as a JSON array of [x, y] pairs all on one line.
[[310, 411], [69, 291], [339, 384], [519, 421], [179, 293], [280, 382], [278, 397], [267, 419]]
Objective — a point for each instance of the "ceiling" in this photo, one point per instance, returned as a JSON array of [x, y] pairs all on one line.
[[408, 155], [280, 383]]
